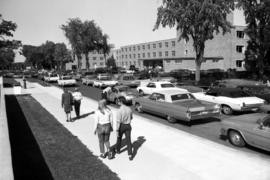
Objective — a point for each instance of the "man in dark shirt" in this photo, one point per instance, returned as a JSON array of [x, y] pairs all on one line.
[[67, 103]]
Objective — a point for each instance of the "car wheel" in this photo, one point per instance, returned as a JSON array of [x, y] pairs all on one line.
[[236, 138], [138, 107], [141, 93], [171, 119], [226, 110]]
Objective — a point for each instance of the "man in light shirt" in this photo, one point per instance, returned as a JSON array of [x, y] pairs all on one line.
[[124, 117], [77, 97]]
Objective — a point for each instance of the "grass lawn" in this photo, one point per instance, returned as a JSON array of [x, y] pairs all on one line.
[[64, 154]]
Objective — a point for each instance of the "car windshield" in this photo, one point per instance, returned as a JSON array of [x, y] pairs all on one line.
[[238, 94], [178, 97], [53, 75], [105, 78], [128, 78], [66, 77], [167, 85], [124, 89]]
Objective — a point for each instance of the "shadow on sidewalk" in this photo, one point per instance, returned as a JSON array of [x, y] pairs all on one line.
[[135, 145], [82, 116]]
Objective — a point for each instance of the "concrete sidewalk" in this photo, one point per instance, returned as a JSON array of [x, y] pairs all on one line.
[[162, 152]]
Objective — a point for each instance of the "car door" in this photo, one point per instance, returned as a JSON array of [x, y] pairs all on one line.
[[150, 88], [262, 134], [149, 103]]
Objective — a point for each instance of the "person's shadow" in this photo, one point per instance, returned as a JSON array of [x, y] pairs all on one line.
[[82, 116], [135, 145]]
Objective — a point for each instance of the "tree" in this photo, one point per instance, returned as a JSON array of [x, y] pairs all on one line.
[[6, 45], [110, 63], [104, 47], [72, 31], [61, 55], [90, 36], [257, 16], [196, 19], [48, 51], [33, 55]]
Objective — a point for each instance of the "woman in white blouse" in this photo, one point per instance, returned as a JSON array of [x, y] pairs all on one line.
[[103, 127]]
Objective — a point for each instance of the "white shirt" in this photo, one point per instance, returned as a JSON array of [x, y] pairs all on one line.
[[77, 96], [102, 118]]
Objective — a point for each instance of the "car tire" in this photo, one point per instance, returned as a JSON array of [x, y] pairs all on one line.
[[141, 93], [236, 138], [171, 119], [227, 110], [138, 107]]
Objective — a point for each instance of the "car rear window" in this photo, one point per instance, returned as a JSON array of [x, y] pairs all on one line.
[[237, 94], [105, 78], [182, 97], [53, 75], [167, 85]]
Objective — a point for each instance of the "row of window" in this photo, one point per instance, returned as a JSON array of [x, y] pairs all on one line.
[[100, 58], [148, 46], [143, 55], [128, 63]]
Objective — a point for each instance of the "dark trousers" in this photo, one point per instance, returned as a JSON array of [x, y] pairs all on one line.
[[124, 129], [77, 105]]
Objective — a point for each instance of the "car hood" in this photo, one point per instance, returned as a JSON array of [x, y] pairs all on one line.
[[195, 105], [245, 119]]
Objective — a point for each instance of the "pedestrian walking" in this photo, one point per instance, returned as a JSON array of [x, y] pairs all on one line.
[[103, 127], [124, 117], [66, 103], [77, 97]]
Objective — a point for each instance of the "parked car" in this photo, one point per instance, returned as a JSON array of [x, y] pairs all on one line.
[[233, 83], [260, 91], [51, 77], [181, 73], [128, 80], [89, 79], [66, 80], [117, 93], [252, 129], [9, 75], [175, 104], [18, 75], [103, 81], [155, 86], [231, 99]]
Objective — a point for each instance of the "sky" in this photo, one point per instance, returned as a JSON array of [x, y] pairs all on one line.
[[125, 21]]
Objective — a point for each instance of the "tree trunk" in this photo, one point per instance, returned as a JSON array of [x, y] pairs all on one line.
[[198, 72], [87, 61]]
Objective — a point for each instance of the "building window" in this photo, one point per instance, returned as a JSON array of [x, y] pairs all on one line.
[[126, 63], [186, 52], [148, 55], [160, 54], [129, 62], [240, 34], [154, 45], [239, 49], [154, 54], [143, 47], [130, 56], [101, 63], [166, 44], [134, 55], [139, 63], [160, 45], [148, 46], [138, 47], [134, 48], [173, 43], [100, 58], [122, 63], [178, 61], [126, 49], [168, 61], [139, 56], [239, 63], [215, 60], [134, 62], [166, 53], [126, 56], [94, 58], [122, 56], [173, 53], [143, 55], [129, 48]]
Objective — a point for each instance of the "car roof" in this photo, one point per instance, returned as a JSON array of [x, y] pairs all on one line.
[[225, 89], [161, 82], [121, 86], [171, 91]]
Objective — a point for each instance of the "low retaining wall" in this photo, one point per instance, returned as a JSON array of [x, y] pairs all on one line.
[[6, 170]]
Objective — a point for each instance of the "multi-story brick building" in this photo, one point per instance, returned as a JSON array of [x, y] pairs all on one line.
[[222, 52]]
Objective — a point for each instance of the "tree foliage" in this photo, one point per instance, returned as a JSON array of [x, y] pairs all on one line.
[[257, 16], [111, 62], [196, 19], [6, 44]]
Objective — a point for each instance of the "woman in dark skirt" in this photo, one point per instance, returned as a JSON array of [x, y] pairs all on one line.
[[67, 103]]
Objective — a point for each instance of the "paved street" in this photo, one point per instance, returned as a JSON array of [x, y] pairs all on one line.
[[166, 153]]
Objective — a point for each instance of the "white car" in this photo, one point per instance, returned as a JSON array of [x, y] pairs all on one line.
[[89, 80], [104, 81], [66, 81], [51, 77], [156, 86], [231, 99]]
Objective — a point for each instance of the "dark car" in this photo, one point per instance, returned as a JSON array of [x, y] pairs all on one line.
[[181, 74], [260, 91]]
